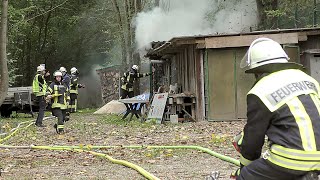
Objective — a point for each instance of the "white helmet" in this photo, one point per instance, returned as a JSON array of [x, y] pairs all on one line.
[[262, 52], [57, 73], [135, 67], [40, 68], [63, 69], [73, 70]]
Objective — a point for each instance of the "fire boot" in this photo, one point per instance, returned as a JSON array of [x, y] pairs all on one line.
[[60, 129], [56, 127], [310, 176], [67, 118]]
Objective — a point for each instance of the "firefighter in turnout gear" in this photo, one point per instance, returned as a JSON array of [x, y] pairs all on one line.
[[65, 76], [284, 105], [74, 89], [39, 88], [128, 80], [66, 80], [58, 93]]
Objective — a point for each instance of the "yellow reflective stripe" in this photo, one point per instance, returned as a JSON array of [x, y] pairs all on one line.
[[244, 161], [316, 101], [304, 123], [60, 126], [294, 164], [295, 154], [50, 90], [241, 139], [74, 91], [55, 95], [56, 91], [128, 78], [56, 105]]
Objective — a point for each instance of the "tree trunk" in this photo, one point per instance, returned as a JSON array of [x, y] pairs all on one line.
[[127, 31], [157, 3], [122, 39], [4, 80]]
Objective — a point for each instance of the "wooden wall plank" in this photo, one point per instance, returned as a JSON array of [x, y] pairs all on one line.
[[246, 40]]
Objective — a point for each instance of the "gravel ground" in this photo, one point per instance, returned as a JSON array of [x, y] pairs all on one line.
[[88, 129]]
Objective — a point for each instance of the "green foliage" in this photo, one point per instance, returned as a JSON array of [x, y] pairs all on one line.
[[292, 14], [57, 33]]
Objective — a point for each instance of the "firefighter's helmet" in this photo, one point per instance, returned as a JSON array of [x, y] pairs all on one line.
[[135, 67], [265, 55], [63, 69], [40, 68], [57, 73], [74, 70]]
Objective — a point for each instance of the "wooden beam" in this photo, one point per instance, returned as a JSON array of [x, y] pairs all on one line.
[[246, 40], [201, 46], [303, 36]]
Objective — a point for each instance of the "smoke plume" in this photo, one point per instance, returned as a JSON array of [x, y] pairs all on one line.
[[90, 96], [193, 17]]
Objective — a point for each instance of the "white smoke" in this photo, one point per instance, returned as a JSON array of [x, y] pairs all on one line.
[[90, 96], [193, 17]]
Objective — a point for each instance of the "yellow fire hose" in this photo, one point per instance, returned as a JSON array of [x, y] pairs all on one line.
[[16, 129], [198, 148], [139, 169], [88, 149]]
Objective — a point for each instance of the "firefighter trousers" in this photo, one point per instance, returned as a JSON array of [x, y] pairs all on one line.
[[73, 102], [124, 94], [42, 108], [262, 169], [61, 115]]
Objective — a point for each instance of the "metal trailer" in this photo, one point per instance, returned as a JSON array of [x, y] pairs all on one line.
[[21, 100]]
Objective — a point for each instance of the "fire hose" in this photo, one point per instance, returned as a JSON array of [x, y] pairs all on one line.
[[88, 148]]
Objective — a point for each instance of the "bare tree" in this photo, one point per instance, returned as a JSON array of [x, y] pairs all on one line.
[[4, 80], [125, 11]]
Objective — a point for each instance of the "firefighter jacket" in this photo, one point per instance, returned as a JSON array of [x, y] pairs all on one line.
[[74, 85], [129, 78], [285, 106], [39, 85], [66, 80], [60, 97]]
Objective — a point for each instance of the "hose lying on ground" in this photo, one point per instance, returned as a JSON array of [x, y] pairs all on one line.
[[121, 162], [18, 126], [16, 129], [199, 148], [139, 169]]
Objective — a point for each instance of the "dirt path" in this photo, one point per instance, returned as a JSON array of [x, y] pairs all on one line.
[[85, 128]]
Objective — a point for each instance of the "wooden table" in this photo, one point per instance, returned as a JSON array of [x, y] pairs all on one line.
[[131, 105]]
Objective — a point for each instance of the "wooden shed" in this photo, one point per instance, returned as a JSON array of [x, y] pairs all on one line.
[[209, 66]]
